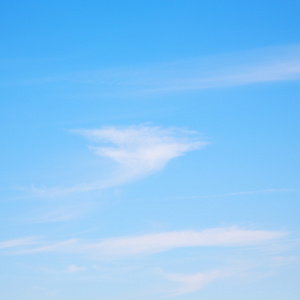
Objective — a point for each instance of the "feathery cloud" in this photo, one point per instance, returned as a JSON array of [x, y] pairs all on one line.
[[158, 242], [142, 149], [136, 150], [75, 269], [21, 242], [268, 64], [192, 282]]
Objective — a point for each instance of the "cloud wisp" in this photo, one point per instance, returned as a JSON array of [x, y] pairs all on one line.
[[75, 269], [58, 213], [263, 65], [136, 150], [225, 70], [186, 283], [249, 244], [122, 247], [16, 243], [141, 150], [264, 191], [192, 282]]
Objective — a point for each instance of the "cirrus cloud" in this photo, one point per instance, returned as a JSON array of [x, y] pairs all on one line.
[[137, 151], [158, 242]]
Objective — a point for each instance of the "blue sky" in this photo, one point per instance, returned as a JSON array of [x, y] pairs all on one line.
[[150, 150]]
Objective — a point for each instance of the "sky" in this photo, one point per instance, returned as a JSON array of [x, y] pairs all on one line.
[[150, 150]]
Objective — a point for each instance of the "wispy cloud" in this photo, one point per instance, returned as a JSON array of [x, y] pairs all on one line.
[[67, 246], [75, 269], [264, 191], [188, 283], [21, 242], [244, 256], [225, 70], [59, 213], [159, 242], [136, 150], [193, 282], [248, 267], [281, 260], [142, 149]]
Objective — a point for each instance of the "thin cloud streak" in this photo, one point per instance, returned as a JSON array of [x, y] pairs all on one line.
[[158, 242], [136, 150], [189, 283], [61, 213], [21, 242], [75, 269], [192, 282], [142, 149], [225, 70], [261, 66], [264, 191]]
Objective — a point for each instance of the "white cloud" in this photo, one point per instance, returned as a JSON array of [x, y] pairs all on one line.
[[284, 260], [142, 149], [59, 215], [136, 150], [193, 282], [75, 269], [56, 214], [26, 241], [225, 70], [257, 267], [159, 242], [265, 191], [66, 246], [269, 64]]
